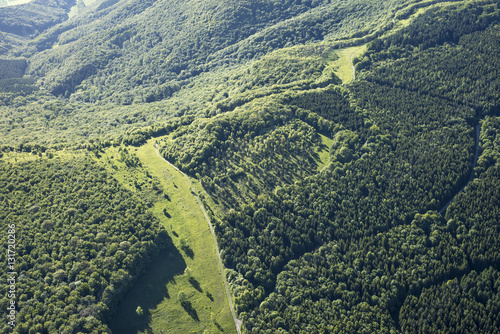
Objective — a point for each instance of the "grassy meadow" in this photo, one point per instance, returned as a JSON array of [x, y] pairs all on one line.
[[191, 273], [343, 64]]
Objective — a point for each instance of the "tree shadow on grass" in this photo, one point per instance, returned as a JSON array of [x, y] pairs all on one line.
[[219, 327], [188, 250], [148, 291], [190, 310], [194, 282]]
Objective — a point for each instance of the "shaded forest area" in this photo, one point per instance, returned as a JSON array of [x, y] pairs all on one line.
[[82, 241], [414, 151]]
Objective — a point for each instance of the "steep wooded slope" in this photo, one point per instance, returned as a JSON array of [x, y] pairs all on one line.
[[122, 50]]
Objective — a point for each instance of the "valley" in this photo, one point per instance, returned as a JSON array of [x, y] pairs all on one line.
[[251, 166]]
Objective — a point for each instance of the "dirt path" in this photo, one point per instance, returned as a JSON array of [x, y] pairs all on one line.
[[476, 155], [237, 322], [352, 66]]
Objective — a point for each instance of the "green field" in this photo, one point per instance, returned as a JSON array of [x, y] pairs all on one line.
[[343, 64], [324, 152], [157, 291], [80, 4]]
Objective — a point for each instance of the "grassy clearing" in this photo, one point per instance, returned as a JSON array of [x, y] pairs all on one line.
[[193, 275], [324, 152], [343, 64]]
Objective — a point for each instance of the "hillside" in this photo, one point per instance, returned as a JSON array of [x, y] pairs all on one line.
[[21, 20], [163, 43], [345, 153]]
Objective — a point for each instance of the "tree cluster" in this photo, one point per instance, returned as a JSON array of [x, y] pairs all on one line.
[[410, 149], [81, 241], [145, 50]]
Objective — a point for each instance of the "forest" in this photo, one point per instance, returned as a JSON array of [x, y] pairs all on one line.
[[368, 205], [352, 216], [83, 240], [87, 64]]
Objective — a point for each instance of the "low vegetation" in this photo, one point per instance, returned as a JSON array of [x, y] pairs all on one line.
[[182, 291]]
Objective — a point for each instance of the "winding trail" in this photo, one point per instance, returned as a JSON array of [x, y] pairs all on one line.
[[476, 155], [352, 66], [237, 321]]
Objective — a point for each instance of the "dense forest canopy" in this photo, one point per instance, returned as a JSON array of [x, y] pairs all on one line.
[[363, 206], [33, 17], [82, 242], [164, 43]]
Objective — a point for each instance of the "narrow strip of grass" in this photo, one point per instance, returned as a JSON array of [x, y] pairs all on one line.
[[64, 155], [343, 64], [402, 23], [324, 152], [196, 278]]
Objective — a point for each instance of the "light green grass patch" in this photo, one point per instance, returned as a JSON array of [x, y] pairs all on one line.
[[398, 24], [73, 11], [324, 152], [343, 65], [407, 21], [184, 220]]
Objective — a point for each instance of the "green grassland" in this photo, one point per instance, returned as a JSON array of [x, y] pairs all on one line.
[[56, 182], [324, 152], [343, 64], [405, 22], [158, 292]]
